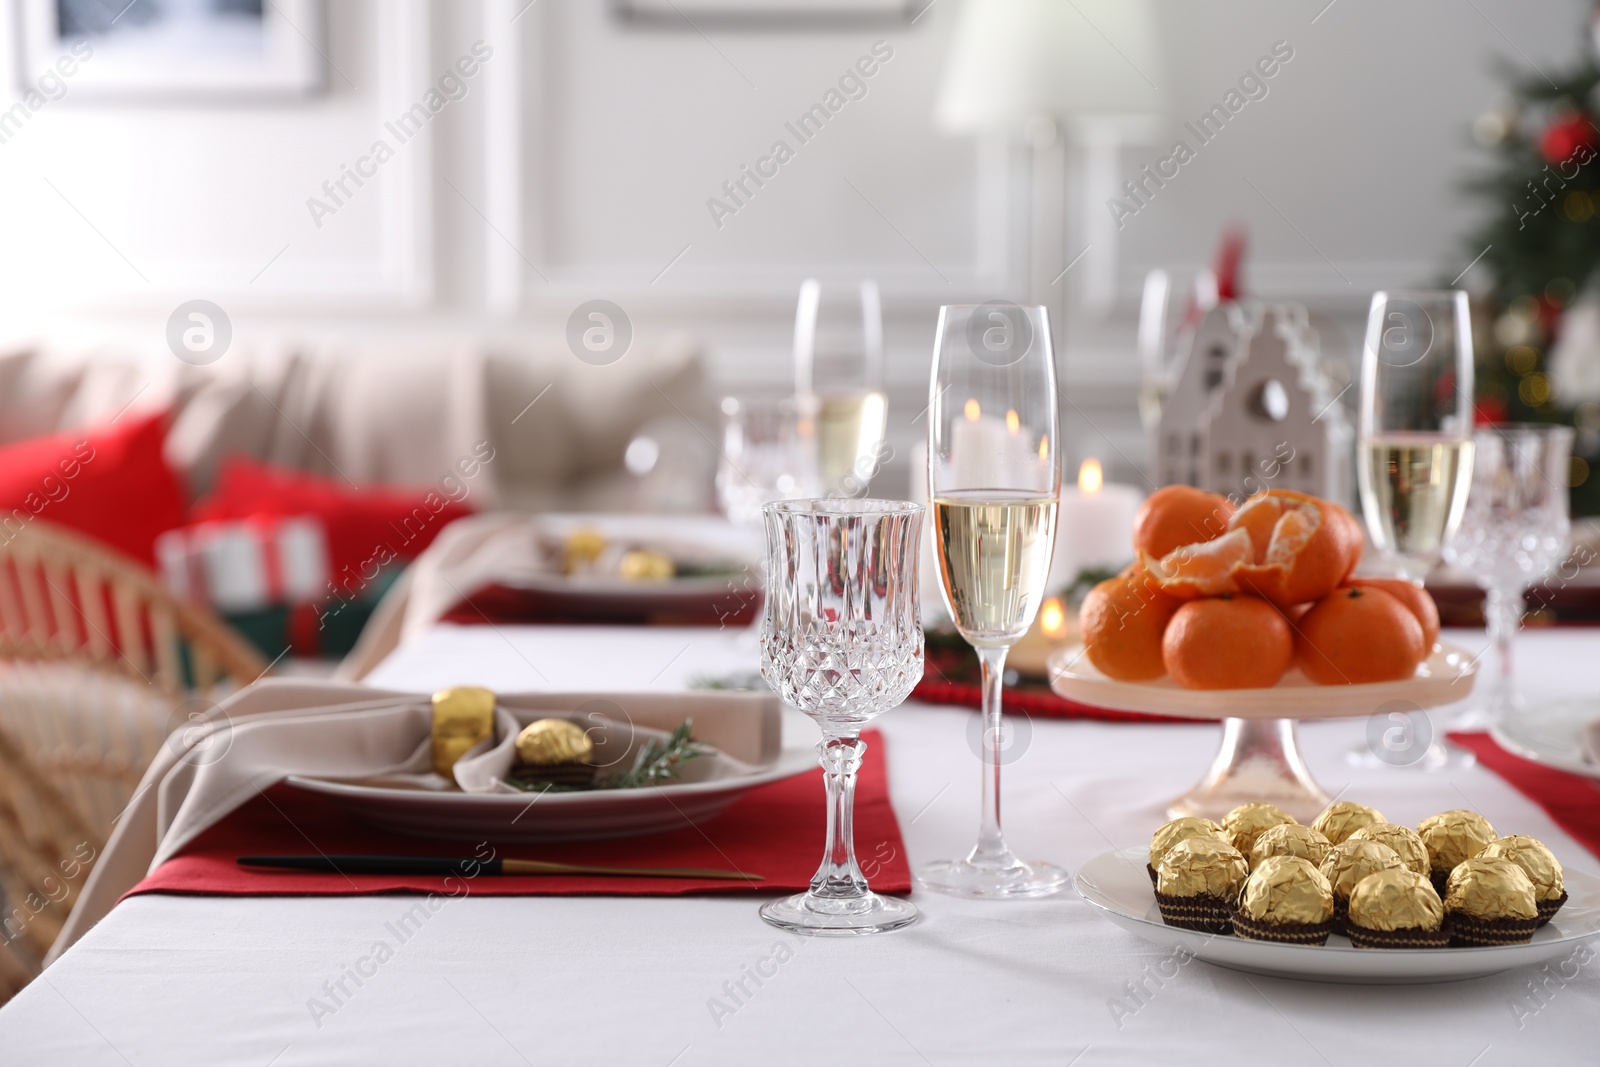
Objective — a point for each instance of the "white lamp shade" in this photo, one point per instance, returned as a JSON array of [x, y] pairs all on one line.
[[1015, 60]]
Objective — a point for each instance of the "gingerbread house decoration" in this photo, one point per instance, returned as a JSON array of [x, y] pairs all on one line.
[[1250, 407]]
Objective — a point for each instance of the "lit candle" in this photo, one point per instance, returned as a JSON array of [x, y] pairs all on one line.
[[1095, 527]]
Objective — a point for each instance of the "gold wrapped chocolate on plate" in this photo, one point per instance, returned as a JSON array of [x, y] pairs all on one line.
[[462, 717], [1341, 819], [1490, 902], [1289, 839], [1350, 862], [1451, 837], [583, 546], [1405, 841], [1396, 908], [1247, 822], [1197, 883], [1169, 834], [1285, 899], [1539, 864], [550, 742], [646, 565]]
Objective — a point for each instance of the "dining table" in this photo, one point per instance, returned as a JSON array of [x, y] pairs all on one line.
[[667, 981]]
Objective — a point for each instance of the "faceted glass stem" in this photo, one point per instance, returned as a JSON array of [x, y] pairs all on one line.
[[1503, 612], [840, 878]]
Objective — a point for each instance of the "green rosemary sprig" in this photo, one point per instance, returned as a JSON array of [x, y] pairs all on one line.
[[658, 761]]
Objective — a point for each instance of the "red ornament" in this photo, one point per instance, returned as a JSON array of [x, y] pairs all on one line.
[[1490, 410], [1565, 136]]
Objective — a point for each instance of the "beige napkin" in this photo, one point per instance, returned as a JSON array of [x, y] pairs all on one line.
[[276, 728]]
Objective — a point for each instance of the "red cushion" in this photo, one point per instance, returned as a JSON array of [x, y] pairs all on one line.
[[110, 482], [364, 526]]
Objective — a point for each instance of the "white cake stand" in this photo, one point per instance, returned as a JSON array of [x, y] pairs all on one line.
[[1260, 755]]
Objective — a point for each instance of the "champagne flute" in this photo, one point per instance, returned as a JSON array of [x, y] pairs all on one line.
[[994, 480], [1416, 425], [841, 640], [838, 373], [1415, 462]]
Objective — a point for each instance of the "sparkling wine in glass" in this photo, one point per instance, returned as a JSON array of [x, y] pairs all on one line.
[[838, 373], [994, 480], [841, 639], [1416, 425]]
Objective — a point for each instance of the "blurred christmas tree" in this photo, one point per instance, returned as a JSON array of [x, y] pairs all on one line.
[[1539, 360]]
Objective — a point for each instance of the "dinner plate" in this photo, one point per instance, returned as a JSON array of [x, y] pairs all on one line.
[[1118, 884], [577, 816], [1443, 678], [1551, 734]]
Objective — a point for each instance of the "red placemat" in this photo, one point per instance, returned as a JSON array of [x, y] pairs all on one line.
[[775, 830], [1572, 800], [501, 604]]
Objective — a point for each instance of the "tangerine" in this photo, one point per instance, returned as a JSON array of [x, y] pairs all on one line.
[[1227, 642], [1417, 599], [1303, 547], [1176, 515], [1209, 568], [1122, 620], [1359, 634]]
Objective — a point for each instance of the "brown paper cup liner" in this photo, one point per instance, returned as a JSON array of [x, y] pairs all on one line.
[[1364, 937], [1548, 908], [1439, 880], [1205, 913], [1286, 933], [1341, 916], [1154, 878], [1475, 933]]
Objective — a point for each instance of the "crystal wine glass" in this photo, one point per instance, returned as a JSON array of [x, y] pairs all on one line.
[[994, 480], [1415, 460], [841, 639], [769, 452], [1512, 534]]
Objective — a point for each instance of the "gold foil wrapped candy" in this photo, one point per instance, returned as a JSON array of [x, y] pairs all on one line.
[[1247, 822], [1287, 889], [551, 742], [583, 546], [645, 565], [1536, 861], [1454, 836], [462, 717], [1396, 899], [1202, 865], [1483, 888], [1405, 841], [1343, 818], [1171, 833], [1289, 839], [1350, 862]]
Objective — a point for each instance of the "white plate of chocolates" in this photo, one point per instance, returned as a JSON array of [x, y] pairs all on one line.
[[1350, 898]]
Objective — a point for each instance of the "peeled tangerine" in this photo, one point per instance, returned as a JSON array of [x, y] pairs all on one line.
[[1227, 642], [1122, 620], [1359, 634], [1287, 547], [1177, 515]]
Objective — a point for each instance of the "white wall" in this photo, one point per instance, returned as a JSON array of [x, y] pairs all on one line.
[[590, 148]]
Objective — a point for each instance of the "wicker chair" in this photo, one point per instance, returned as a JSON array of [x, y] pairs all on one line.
[[98, 663]]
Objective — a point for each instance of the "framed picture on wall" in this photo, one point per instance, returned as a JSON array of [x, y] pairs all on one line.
[[767, 14], [190, 50]]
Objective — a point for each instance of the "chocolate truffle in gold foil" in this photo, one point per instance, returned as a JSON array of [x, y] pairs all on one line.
[[1171, 833], [1247, 822], [1403, 839], [1343, 818], [1490, 902], [1285, 899], [1453, 836], [550, 742], [645, 565], [1198, 883], [1349, 863], [1397, 908], [1541, 867], [1289, 839]]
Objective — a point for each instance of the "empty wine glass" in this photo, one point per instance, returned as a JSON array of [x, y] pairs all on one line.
[[769, 452], [841, 639], [1512, 534]]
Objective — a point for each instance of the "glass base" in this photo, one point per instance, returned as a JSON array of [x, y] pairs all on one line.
[[963, 878], [869, 914], [1437, 757]]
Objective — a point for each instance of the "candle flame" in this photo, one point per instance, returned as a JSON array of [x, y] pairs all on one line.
[[1053, 618], [1044, 448], [971, 410], [1090, 476], [1012, 422]]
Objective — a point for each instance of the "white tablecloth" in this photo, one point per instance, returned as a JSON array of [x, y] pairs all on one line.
[[178, 980]]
